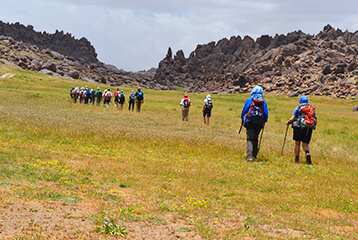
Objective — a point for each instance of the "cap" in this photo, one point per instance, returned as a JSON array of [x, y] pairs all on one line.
[[303, 99]]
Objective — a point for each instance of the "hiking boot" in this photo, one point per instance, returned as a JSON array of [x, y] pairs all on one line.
[[250, 160], [308, 159], [297, 159]]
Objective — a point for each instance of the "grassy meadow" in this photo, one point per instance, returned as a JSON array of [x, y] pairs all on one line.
[[155, 177]]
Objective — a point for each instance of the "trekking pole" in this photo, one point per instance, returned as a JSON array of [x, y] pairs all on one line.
[[284, 140], [240, 129], [262, 133]]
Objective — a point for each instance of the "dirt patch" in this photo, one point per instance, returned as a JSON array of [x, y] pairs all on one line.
[[47, 220], [7, 75], [53, 220]]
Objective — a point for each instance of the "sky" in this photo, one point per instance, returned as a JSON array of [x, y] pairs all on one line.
[[135, 35]]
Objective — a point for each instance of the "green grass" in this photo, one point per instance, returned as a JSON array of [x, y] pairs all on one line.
[[52, 149]]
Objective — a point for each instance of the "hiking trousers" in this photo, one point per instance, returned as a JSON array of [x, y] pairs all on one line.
[[252, 135], [131, 104], [138, 103]]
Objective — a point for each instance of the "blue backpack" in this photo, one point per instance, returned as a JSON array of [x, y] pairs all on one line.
[[132, 96], [140, 96]]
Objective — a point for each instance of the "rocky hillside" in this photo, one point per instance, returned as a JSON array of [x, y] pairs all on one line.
[[61, 55], [65, 44], [292, 64]]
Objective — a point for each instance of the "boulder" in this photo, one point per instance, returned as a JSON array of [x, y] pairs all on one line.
[[49, 65], [36, 64], [73, 74], [355, 108], [57, 55], [48, 72]]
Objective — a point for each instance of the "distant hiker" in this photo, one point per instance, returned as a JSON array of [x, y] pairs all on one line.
[[74, 95], [71, 92], [92, 96], [131, 100], [98, 96], [139, 99], [122, 99], [208, 105], [82, 94], [87, 95], [108, 97], [104, 97], [304, 121], [254, 115], [116, 97], [185, 105]]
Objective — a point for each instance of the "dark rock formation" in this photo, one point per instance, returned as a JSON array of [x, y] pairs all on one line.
[[60, 43], [53, 63], [292, 64]]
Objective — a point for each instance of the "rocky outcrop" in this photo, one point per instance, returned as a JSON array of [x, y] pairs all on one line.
[[292, 64], [30, 57], [62, 44]]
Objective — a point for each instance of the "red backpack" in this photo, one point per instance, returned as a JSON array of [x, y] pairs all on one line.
[[186, 102], [307, 118]]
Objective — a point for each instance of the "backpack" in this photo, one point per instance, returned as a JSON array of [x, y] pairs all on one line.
[[307, 117], [186, 102], [121, 97], [255, 114], [99, 94], [209, 104], [116, 97], [140, 96], [108, 96], [132, 96]]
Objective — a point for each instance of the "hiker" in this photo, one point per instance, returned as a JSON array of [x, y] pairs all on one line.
[[208, 105], [254, 115], [81, 95], [304, 121], [185, 105], [98, 96], [104, 97], [92, 96], [116, 98], [122, 99], [75, 94], [139, 99], [87, 95], [131, 100], [71, 92], [108, 97]]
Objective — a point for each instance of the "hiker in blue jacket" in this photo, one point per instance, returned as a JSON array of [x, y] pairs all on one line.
[[254, 115]]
